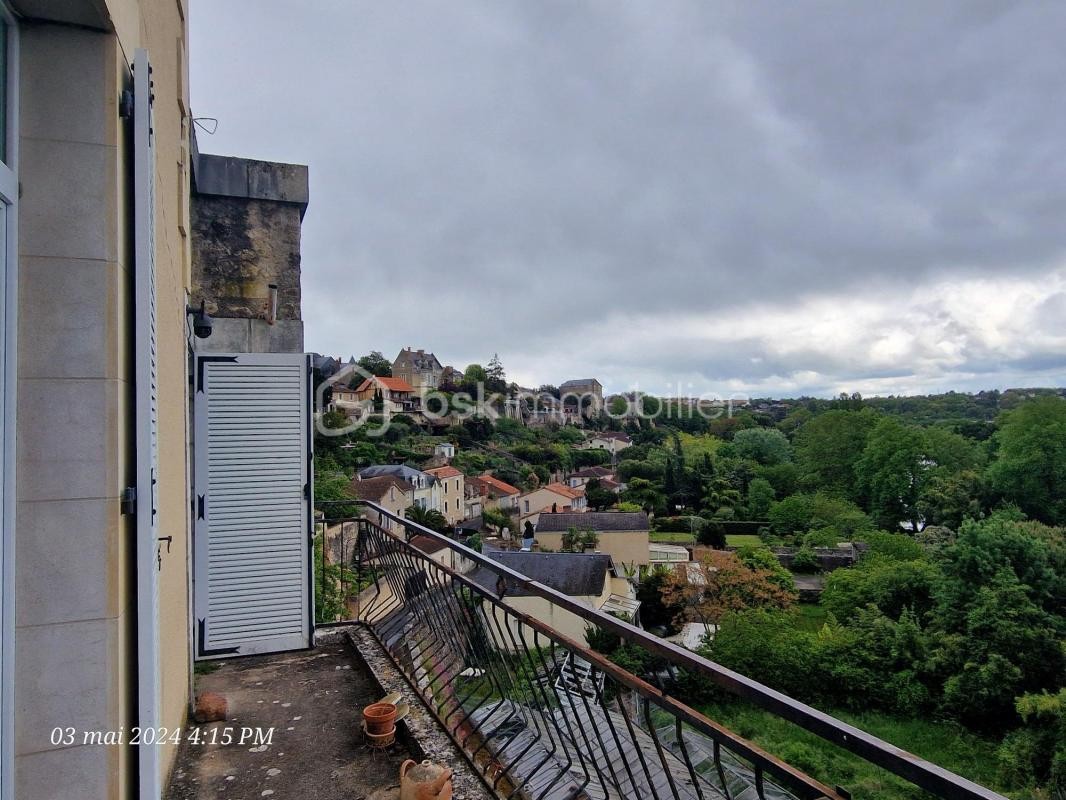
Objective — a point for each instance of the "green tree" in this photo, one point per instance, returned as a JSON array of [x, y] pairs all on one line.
[[763, 559], [598, 497], [767, 446], [892, 474], [766, 645], [496, 519], [1033, 554], [874, 662], [783, 477], [949, 500], [653, 611], [828, 447], [646, 494], [428, 518], [575, 541], [1036, 754], [1030, 468], [473, 375], [805, 562], [376, 364], [760, 498], [719, 496], [999, 617], [331, 492], [495, 376], [617, 406], [890, 586], [801, 513]]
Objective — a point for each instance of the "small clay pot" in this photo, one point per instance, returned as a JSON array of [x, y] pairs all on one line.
[[380, 718], [380, 740]]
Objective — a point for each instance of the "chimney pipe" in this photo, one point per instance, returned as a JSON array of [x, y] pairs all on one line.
[[272, 304]]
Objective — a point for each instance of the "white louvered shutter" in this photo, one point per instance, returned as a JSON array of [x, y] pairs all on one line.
[[252, 558], [147, 490]]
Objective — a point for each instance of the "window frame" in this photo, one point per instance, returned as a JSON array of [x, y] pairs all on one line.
[[8, 364]]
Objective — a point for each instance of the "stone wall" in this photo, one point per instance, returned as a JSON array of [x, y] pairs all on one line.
[[240, 247], [245, 217]]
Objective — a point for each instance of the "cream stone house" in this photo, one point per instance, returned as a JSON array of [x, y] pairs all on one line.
[[346, 400], [391, 492], [451, 493], [589, 578], [551, 498], [493, 492], [393, 395], [623, 535], [420, 369], [611, 441]]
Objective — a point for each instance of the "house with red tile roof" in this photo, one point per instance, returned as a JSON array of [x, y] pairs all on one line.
[[550, 498], [388, 395], [493, 492]]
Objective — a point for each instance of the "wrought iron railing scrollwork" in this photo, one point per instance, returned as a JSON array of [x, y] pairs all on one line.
[[544, 717]]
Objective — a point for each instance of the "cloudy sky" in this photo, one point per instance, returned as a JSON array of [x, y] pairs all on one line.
[[764, 198]]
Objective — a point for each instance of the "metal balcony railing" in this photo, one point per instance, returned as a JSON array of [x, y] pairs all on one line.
[[544, 717]]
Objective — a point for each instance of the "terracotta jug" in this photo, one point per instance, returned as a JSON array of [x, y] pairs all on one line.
[[425, 781]]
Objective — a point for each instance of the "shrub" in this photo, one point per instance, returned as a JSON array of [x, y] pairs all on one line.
[[805, 561], [766, 646], [894, 546]]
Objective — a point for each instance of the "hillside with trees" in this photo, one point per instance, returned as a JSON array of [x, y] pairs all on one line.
[[947, 636]]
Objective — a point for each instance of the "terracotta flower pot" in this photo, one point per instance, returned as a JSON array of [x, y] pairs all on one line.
[[380, 718]]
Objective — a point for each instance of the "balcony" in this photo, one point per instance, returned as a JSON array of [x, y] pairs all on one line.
[[530, 712]]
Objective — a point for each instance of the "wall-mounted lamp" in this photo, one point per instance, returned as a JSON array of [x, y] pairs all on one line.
[[272, 304], [201, 321]]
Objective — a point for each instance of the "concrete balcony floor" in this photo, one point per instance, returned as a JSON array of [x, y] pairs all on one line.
[[313, 702]]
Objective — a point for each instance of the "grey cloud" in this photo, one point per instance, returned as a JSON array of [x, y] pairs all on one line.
[[510, 176]]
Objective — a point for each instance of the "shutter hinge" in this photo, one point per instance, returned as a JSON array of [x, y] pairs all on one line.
[[129, 501]]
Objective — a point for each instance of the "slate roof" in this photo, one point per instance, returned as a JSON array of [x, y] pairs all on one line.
[[577, 383], [419, 360], [401, 471], [574, 574], [596, 520], [427, 544], [374, 488]]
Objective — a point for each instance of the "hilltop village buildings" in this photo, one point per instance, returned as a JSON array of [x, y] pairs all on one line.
[[435, 485], [417, 373]]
